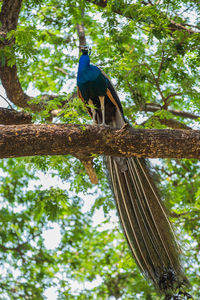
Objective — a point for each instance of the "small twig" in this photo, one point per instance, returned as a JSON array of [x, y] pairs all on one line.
[[156, 82], [61, 70], [134, 67], [177, 26], [175, 215], [7, 101], [170, 96], [194, 26], [185, 10], [161, 64], [150, 3], [136, 25]]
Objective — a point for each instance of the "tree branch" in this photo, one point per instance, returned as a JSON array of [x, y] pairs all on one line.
[[78, 140], [9, 18], [12, 86], [124, 11], [156, 80], [9, 14], [152, 107], [11, 117], [161, 65], [81, 35], [101, 3], [61, 70], [171, 123]]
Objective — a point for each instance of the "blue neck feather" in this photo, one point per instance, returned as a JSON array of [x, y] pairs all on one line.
[[84, 62], [86, 71]]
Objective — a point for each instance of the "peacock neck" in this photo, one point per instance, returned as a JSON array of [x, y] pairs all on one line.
[[86, 71], [84, 63]]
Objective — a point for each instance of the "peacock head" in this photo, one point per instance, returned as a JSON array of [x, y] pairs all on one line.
[[86, 49]]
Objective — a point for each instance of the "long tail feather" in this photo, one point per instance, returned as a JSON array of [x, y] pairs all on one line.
[[145, 223], [146, 226]]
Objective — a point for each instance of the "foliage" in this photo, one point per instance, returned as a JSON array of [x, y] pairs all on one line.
[[151, 60]]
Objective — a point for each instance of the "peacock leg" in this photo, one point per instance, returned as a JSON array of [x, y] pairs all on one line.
[[101, 98], [93, 110]]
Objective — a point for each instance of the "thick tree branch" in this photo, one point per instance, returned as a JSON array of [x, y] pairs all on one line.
[[9, 18], [10, 14], [81, 35], [79, 141], [11, 117], [12, 86]]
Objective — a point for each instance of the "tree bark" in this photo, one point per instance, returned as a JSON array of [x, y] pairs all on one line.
[[11, 117], [9, 18], [80, 141], [9, 14]]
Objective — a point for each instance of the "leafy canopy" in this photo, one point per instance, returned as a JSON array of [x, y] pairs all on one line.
[[151, 50]]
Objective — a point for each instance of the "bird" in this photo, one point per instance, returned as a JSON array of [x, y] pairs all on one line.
[[143, 217]]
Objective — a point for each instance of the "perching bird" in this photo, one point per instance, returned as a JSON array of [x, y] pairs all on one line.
[[145, 224]]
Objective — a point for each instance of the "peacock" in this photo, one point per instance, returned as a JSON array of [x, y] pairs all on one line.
[[143, 217]]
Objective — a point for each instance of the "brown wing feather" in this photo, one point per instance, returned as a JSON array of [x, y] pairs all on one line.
[[112, 99], [81, 97], [111, 93]]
